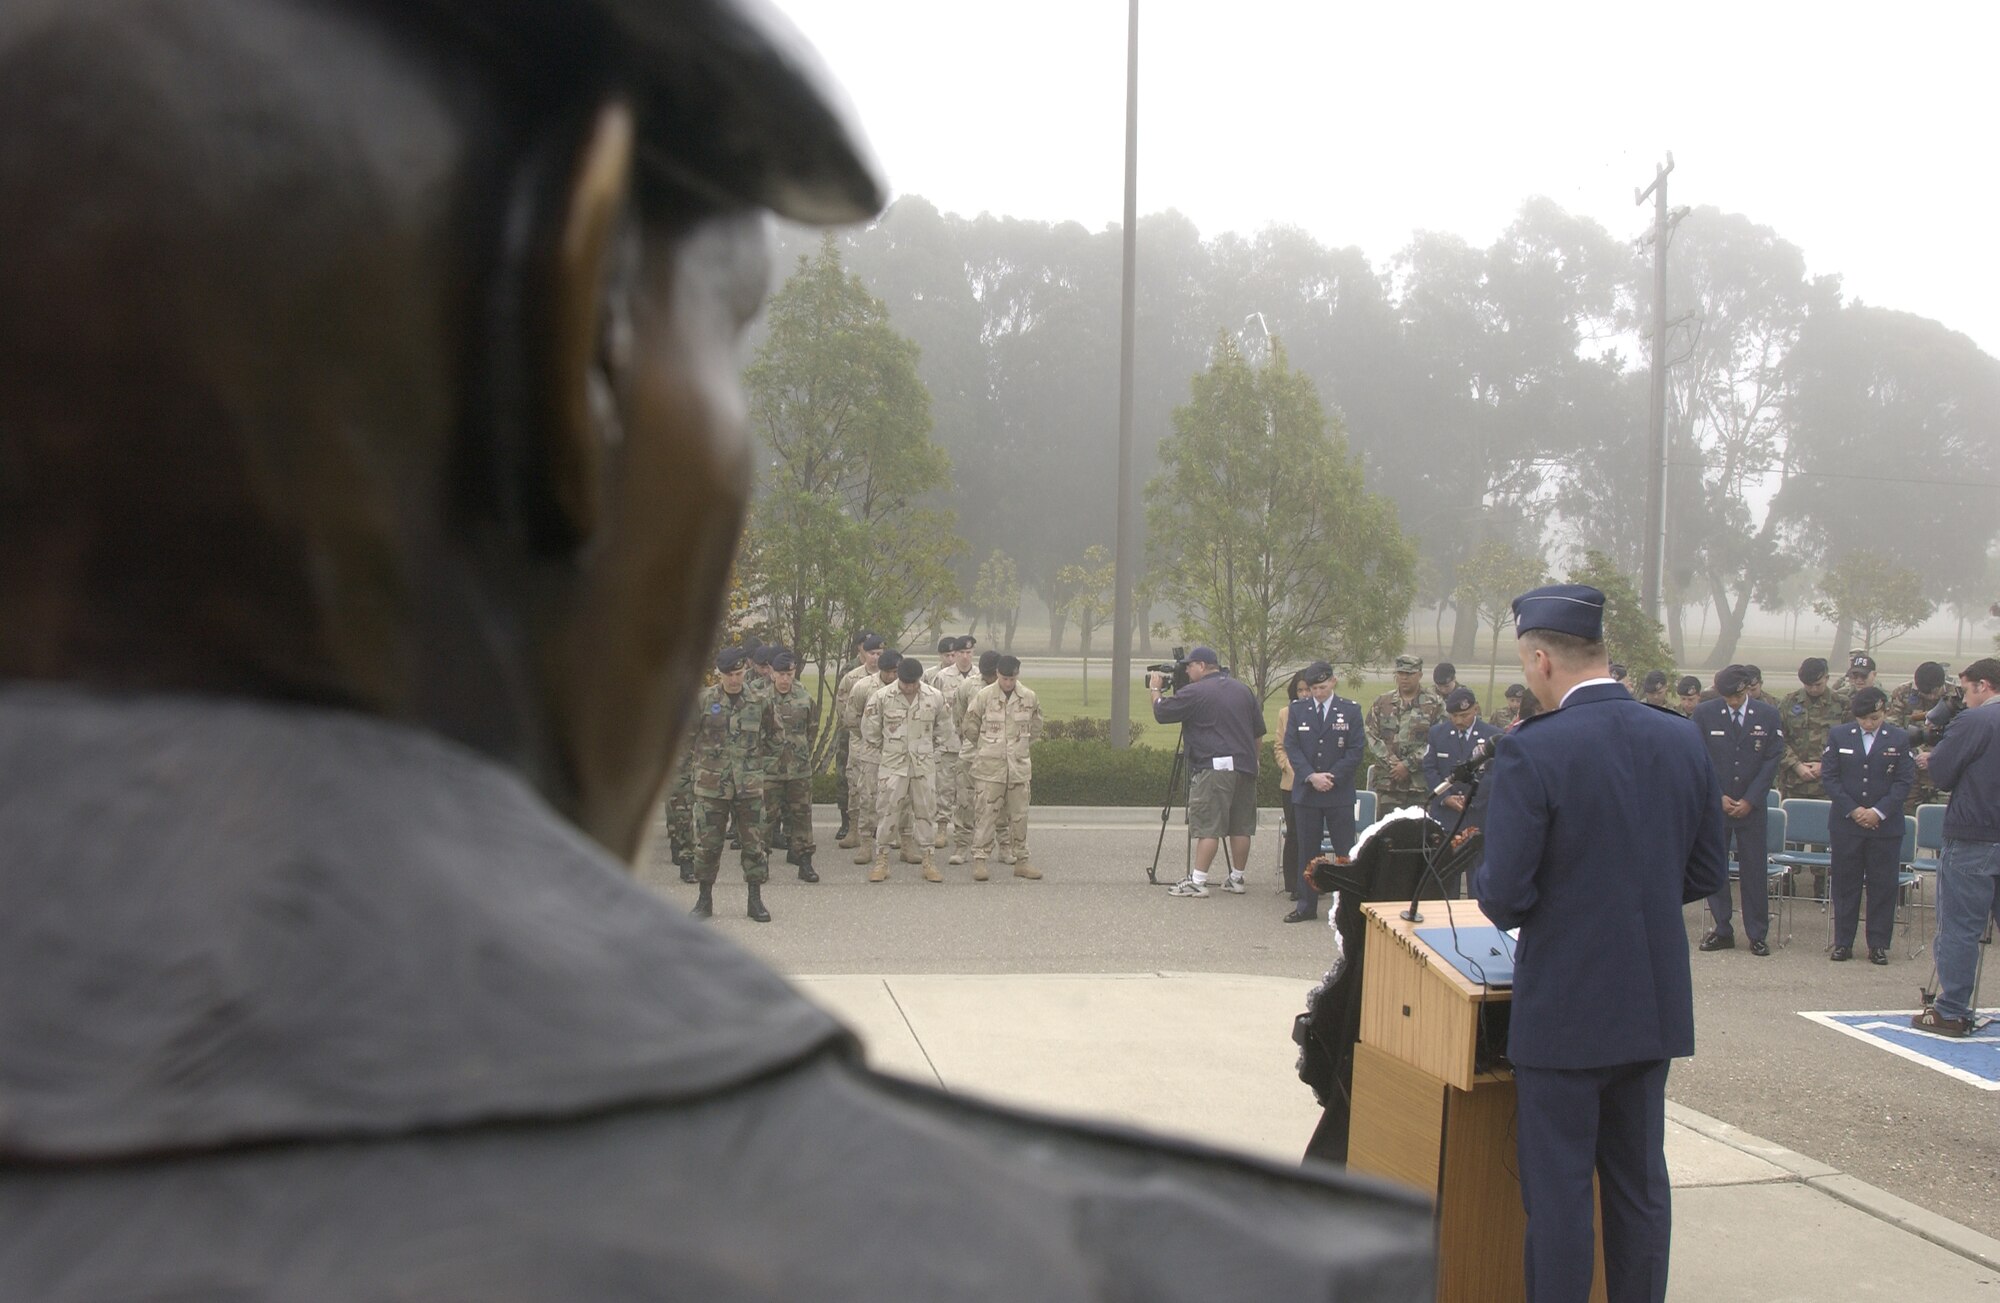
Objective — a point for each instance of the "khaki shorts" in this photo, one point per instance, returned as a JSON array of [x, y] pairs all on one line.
[[1222, 803]]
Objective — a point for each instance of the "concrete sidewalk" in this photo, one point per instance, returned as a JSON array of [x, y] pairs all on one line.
[[1204, 1055]]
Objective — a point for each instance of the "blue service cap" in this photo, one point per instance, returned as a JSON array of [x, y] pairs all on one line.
[[1460, 699], [1317, 672], [1206, 655], [890, 660], [731, 658], [872, 642], [1732, 679], [1574, 609], [781, 661]]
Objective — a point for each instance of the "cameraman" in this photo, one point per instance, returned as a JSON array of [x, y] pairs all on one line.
[[1967, 761], [1220, 721]]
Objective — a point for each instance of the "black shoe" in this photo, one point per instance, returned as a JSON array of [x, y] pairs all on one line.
[[791, 857], [806, 873], [1760, 949], [1301, 916], [704, 904], [844, 829], [1840, 954], [1719, 941], [757, 910], [687, 870], [1878, 956]]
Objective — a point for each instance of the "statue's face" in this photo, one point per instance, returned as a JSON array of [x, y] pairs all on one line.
[[651, 584]]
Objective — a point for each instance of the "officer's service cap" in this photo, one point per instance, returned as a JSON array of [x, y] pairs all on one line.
[[1574, 609], [731, 659], [1460, 699], [1688, 686], [890, 660], [909, 669], [989, 661], [782, 662], [1409, 665], [871, 642], [1812, 669], [1318, 672], [1654, 681], [1206, 655], [729, 99], [1732, 679], [1862, 663], [1444, 673], [1867, 702], [1930, 676]]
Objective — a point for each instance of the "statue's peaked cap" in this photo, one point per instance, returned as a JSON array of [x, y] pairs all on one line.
[[731, 97]]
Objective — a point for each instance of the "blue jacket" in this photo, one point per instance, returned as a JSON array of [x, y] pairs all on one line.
[[1746, 759], [1447, 749], [1880, 780], [1332, 746], [1606, 818], [1966, 763]]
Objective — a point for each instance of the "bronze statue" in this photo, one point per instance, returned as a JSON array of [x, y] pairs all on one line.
[[371, 460]]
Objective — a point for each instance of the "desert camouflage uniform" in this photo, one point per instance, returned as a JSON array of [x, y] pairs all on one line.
[[1806, 720], [947, 680], [862, 756], [732, 743], [1000, 731], [843, 735], [965, 799], [1400, 730], [906, 734], [1907, 707], [788, 776]]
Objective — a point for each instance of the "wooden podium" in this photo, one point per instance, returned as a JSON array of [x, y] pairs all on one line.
[[1423, 1115]]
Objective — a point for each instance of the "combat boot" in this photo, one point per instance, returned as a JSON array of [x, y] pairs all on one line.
[[957, 856], [979, 870], [687, 867], [704, 904], [847, 839], [867, 851], [757, 911], [806, 873], [931, 873], [1023, 869], [909, 851], [880, 873], [841, 831]]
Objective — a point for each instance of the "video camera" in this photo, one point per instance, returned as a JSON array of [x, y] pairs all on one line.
[[1938, 718], [1176, 670]]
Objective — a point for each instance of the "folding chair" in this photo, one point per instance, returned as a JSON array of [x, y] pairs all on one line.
[[1908, 885], [1920, 862], [1364, 809], [1806, 825]]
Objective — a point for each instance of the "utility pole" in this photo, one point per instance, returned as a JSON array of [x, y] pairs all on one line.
[[1653, 555], [1125, 549]]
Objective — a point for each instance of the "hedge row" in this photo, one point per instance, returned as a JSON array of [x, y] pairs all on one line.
[[1071, 772]]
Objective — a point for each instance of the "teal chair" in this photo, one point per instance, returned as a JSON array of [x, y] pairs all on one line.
[[1779, 873], [1923, 841], [1364, 809]]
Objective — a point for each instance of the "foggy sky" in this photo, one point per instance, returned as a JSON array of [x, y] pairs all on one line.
[[1852, 130]]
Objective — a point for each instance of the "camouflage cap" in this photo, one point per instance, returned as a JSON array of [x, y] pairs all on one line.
[[1409, 665]]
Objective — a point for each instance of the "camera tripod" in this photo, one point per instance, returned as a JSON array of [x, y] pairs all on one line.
[[1178, 779]]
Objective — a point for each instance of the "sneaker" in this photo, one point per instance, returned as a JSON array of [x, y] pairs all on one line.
[[1189, 887], [1233, 884]]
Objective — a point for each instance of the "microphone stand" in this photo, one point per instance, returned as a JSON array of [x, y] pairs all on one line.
[[1430, 873]]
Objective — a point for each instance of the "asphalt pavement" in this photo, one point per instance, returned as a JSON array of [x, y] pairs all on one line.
[[1807, 1163]]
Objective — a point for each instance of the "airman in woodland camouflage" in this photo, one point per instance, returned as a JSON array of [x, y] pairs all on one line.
[[1907, 707], [1687, 695], [732, 743], [965, 814], [680, 818], [869, 648], [788, 779], [1808, 715], [863, 754], [1399, 726], [1001, 725], [906, 724], [1508, 710]]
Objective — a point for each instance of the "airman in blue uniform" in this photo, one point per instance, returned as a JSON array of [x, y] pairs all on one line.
[[1325, 738], [1746, 741], [1605, 819], [1867, 772]]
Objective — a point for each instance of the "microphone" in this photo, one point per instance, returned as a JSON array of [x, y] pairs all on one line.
[[1482, 751]]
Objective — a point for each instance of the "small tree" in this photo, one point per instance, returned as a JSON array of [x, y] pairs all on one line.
[[996, 597], [1882, 599], [1488, 582], [1089, 591], [1261, 531], [1632, 637]]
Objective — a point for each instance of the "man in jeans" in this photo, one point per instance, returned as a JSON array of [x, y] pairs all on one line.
[[1967, 762], [1220, 721]]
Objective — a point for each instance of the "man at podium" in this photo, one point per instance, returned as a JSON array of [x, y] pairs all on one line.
[[1605, 819]]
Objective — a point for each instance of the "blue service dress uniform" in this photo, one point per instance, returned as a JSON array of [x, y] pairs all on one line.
[[1863, 774], [1746, 758], [1449, 746], [1330, 741], [1605, 819]]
